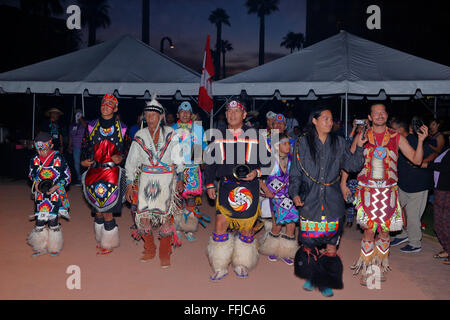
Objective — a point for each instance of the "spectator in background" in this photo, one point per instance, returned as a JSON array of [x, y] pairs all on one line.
[[220, 123], [279, 123], [436, 138], [170, 119], [76, 134], [297, 132], [135, 127], [338, 128], [52, 126], [349, 183], [269, 120], [441, 167], [291, 123], [414, 183]]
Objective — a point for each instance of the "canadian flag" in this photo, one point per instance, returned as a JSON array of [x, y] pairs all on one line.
[[205, 97]]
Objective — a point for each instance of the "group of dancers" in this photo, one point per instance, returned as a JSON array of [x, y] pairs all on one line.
[[159, 173]]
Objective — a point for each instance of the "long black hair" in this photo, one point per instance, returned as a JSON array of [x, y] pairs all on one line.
[[311, 132]]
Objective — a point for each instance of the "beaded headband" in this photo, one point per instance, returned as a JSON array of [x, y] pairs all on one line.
[[234, 104]]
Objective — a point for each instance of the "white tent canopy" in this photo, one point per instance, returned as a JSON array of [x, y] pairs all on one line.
[[124, 65], [342, 64]]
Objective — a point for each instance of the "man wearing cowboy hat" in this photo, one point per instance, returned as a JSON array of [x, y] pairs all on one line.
[[104, 147], [52, 126]]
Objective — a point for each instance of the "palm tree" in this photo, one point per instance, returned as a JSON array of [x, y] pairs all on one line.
[[95, 14], [43, 11], [42, 7], [146, 21], [293, 41], [262, 8], [289, 41], [299, 40], [226, 47], [218, 17]]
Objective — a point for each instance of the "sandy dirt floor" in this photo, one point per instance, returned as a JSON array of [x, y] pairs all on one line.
[[120, 275]]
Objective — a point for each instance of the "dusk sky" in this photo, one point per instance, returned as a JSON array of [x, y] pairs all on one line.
[[186, 23]]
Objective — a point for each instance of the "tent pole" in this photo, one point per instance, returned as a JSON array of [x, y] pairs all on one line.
[[73, 107], [341, 107], [34, 115], [82, 104], [435, 107], [346, 114], [211, 118]]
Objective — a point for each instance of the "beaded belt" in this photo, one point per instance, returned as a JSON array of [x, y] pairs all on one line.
[[376, 184], [156, 169]]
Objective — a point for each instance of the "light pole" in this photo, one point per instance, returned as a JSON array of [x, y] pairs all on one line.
[[161, 47]]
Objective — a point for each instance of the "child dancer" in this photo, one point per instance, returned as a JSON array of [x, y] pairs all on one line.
[[50, 175], [275, 244]]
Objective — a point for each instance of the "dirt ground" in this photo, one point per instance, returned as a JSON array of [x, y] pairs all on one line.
[[120, 275]]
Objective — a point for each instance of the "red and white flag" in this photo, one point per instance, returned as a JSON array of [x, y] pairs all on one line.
[[205, 96]]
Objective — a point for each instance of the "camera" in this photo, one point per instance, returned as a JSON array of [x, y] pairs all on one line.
[[349, 198], [416, 124], [360, 122]]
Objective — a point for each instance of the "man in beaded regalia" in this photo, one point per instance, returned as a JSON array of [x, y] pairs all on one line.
[[192, 141], [377, 200], [103, 151], [154, 168], [237, 163]]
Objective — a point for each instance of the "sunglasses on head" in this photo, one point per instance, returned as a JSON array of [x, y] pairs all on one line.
[[41, 145]]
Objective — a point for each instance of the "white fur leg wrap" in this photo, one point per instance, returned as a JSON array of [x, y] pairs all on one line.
[[219, 253], [98, 228], [110, 239], [55, 239], [270, 244], [288, 247], [38, 239], [267, 225], [189, 225], [245, 254]]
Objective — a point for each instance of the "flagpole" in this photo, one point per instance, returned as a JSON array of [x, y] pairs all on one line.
[[205, 96], [211, 118]]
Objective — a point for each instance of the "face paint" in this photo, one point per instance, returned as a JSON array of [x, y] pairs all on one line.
[[110, 101], [109, 104]]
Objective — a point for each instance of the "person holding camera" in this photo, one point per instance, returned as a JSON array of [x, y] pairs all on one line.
[[348, 180], [50, 175], [414, 183]]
